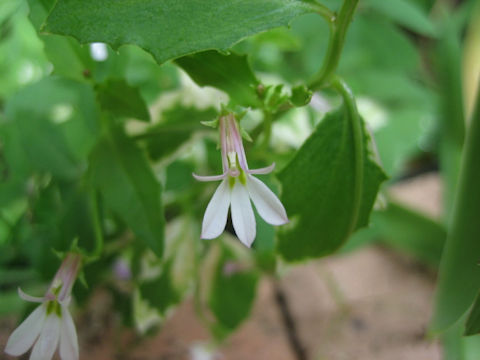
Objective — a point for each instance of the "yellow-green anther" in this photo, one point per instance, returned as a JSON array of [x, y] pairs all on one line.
[[231, 181], [54, 307], [243, 177]]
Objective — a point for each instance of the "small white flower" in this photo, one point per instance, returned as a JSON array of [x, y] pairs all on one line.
[[50, 325], [238, 186]]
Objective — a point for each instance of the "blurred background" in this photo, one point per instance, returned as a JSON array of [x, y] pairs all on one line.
[[414, 67]]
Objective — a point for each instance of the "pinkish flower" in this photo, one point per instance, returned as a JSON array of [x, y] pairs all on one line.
[[237, 188], [50, 325]]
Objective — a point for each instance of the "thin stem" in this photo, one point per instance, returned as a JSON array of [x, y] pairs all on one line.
[[322, 10], [338, 30], [357, 130]]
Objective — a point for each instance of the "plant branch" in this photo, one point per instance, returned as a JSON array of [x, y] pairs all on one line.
[[338, 30]]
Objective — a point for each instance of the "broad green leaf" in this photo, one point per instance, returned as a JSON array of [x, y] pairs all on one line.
[[68, 58], [232, 293], [410, 232], [160, 292], [406, 13], [121, 99], [170, 29], [230, 73], [459, 275], [50, 126], [318, 190], [472, 326], [123, 176]]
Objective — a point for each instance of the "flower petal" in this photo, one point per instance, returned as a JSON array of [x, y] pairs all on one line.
[[215, 217], [242, 214], [265, 170], [29, 298], [266, 202], [68, 337], [210, 178], [25, 335], [48, 341]]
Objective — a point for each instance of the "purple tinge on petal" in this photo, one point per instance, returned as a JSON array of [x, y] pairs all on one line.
[[242, 214], [237, 142], [29, 298], [262, 171], [25, 335], [48, 340], [65, 277], [68, 337], [215, 217], [223, 144], [266, 202], [210, 178]]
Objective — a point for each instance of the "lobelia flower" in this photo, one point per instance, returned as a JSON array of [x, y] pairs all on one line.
[[50, 325], [238, 186]]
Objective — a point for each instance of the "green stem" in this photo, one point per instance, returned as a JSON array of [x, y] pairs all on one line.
[[338, 30], [322, 10], [357, 130]]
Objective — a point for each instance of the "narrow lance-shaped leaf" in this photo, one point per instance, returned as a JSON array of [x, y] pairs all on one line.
[[459, 276], [320, 185], [410, 232], [448, 64], [122, 174], [170, 29]]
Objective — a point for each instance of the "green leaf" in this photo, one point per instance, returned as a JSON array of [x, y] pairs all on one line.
[[459, 275], [160, 292], [230, 73], [79, 219], [170, 29], [122, 174], [123, 100], [177, 126], [406, 13], [472, 326], [68, 57], [50, 126], [319, 190], [448, 66], [410, 232], [232, 292]]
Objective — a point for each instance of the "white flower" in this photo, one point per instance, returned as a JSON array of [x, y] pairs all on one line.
[[50, 325], [238, 186]]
